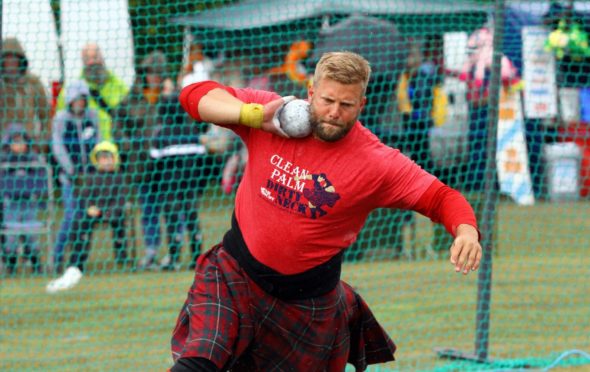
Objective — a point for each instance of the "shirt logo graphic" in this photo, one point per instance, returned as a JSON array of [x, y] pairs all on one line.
[[290, 187], [322, 194]]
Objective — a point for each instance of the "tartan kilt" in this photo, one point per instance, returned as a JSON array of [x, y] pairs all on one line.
[[229, 320]]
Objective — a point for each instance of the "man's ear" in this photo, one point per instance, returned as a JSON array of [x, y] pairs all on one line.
[[363, 103], [309, 92]]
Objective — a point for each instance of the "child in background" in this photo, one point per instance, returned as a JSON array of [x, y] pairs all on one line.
[[75, 132], [23, 181], [101, 197]]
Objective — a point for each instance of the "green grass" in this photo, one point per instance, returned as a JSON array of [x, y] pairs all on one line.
[[123, 321]]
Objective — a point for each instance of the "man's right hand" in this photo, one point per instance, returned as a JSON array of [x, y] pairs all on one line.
[[270, 121], [219, 106]]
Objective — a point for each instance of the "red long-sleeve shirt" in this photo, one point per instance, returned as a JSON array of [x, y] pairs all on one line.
[[302, 201]]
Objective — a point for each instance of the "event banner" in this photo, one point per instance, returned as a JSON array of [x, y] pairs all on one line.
[[511, 152], [540, 90]]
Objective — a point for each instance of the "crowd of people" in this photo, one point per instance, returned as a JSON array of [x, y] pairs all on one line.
[[107, 146]]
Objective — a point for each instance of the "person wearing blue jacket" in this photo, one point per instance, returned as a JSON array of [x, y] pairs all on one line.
[[75, 133]]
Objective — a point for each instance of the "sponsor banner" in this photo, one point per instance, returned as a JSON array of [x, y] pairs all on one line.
[[512, 156]]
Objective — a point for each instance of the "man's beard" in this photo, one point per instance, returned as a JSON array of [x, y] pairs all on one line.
[[329, 134]]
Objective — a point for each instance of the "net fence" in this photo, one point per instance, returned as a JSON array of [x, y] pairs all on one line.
[[103, 171]]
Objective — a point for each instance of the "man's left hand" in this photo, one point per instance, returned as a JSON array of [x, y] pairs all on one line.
[[466, 250]]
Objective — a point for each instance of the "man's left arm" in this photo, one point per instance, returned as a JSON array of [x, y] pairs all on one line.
[[445, 205]]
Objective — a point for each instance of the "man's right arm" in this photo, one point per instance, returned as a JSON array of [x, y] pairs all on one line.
[[212, 102]]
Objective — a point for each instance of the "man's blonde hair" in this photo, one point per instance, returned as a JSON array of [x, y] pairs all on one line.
[[343, 68]]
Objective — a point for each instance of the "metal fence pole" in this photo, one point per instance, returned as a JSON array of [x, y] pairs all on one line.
[[487, 223], [1, 37], [484, 287]]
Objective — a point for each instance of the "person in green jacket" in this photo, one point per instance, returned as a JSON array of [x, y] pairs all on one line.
[[106, 89]]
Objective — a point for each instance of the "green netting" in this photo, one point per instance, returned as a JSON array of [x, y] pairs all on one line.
[[131, 190]]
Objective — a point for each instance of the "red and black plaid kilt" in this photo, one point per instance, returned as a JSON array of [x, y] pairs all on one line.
[[229, 320]]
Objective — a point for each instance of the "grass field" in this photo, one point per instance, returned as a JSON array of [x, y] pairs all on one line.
[[540, 302]]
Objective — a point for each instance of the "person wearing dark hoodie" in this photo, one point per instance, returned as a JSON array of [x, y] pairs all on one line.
[[181, 172], [23, 99], [23, 183], [135, 122], [75, 133], [101, 196]]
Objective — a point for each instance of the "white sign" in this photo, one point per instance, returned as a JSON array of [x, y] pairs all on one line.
[[563, 169], [455, 50], [455, 53], [564, 177], [570, 104], [540, 90], [511, 155]]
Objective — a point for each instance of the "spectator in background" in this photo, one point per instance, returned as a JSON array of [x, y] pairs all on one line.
[[198, 68], [422, 104], [23, 182], [101, 196], [136, 119], [226, 145], [218, 141], [181, 174], [23, 99], [75, 133], [106, 89], [232, 69]]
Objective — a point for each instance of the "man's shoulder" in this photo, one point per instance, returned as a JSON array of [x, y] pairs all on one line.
[[365, 144], [365, 140]]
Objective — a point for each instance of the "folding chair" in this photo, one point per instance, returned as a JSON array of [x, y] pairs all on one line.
[[37, 177]]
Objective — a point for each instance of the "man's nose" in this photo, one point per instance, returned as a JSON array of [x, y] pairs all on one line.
[[334, 111]]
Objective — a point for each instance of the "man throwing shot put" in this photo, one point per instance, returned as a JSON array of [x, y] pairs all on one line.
[[269, 297]]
